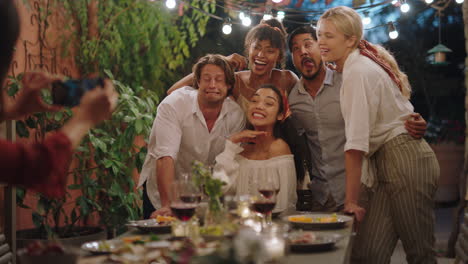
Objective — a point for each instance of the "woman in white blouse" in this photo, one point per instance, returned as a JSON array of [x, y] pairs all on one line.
[[250, 154], [400, 171]]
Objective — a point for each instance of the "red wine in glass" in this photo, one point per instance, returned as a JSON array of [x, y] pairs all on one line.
[[263, 207], [183, 211], [266, 193], [191, 198]]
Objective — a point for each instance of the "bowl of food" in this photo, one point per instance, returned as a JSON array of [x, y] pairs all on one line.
[[46, 252]]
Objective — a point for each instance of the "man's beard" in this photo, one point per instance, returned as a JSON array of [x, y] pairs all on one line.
[[314, 75]]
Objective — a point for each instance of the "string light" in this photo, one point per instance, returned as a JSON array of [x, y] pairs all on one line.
[[405, 7], [246, 21], [429, 1], [227, 27], [366, 20], [280, 15], [459, 1], [392, 32], [267, 16], [171, 4], [241, 15]]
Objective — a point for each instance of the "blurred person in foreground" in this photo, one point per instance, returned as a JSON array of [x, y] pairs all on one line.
[[42, 166]]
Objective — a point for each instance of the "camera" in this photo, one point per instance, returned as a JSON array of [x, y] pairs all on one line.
[[68, 93]]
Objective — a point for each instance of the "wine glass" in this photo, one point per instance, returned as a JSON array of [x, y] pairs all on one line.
[[265, 200], [276, 182], [185, 197]]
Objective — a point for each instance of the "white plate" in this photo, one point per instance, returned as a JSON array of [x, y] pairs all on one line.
[[315, 224], [313, 241], [151, 225]]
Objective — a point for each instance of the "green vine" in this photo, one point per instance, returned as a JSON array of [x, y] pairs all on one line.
[[142, 44]]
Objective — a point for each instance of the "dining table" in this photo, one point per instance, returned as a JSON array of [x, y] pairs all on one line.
[[339, 253]]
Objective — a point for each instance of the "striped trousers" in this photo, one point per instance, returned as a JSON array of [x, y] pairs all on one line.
[[401, 206]]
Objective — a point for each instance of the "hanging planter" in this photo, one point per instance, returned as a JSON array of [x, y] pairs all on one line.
[[438, 54]]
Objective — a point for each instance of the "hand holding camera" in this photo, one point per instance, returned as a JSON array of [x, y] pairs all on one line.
[[96, 100], [28, 99]]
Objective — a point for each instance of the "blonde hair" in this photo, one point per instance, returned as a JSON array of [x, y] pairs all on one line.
[[348, 21], [388, 58]]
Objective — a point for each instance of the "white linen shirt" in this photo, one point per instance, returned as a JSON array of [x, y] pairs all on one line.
[[373, 108], [240, 174], [180, 131]]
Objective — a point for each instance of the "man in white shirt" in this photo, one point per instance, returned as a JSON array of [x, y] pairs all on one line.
[[316, 111], [191, 124]]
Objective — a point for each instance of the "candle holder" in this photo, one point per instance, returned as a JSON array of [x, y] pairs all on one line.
[[274, 243]]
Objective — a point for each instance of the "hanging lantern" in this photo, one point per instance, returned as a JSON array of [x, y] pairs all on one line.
[[439, 53]]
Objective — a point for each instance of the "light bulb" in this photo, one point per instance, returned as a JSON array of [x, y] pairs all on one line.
[[241, 15], [429, 1], [394, 2], [277, 1], [280, 15], [393, 34], [459, 1], [227, 29], [267, 16], [170, 4], [405, 7], [246, 21], [366, 20]]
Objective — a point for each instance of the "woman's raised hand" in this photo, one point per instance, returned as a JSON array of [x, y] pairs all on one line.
[[247, 136], [238, 62]]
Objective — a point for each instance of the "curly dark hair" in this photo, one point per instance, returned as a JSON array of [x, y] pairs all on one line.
[[265, 31]]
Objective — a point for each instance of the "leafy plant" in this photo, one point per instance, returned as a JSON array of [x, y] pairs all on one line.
[[105, 163], [142, 44], [212, 187]]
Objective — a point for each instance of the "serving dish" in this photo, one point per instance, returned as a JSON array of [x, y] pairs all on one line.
[[318, 221], [306, 241], [151, 226]]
